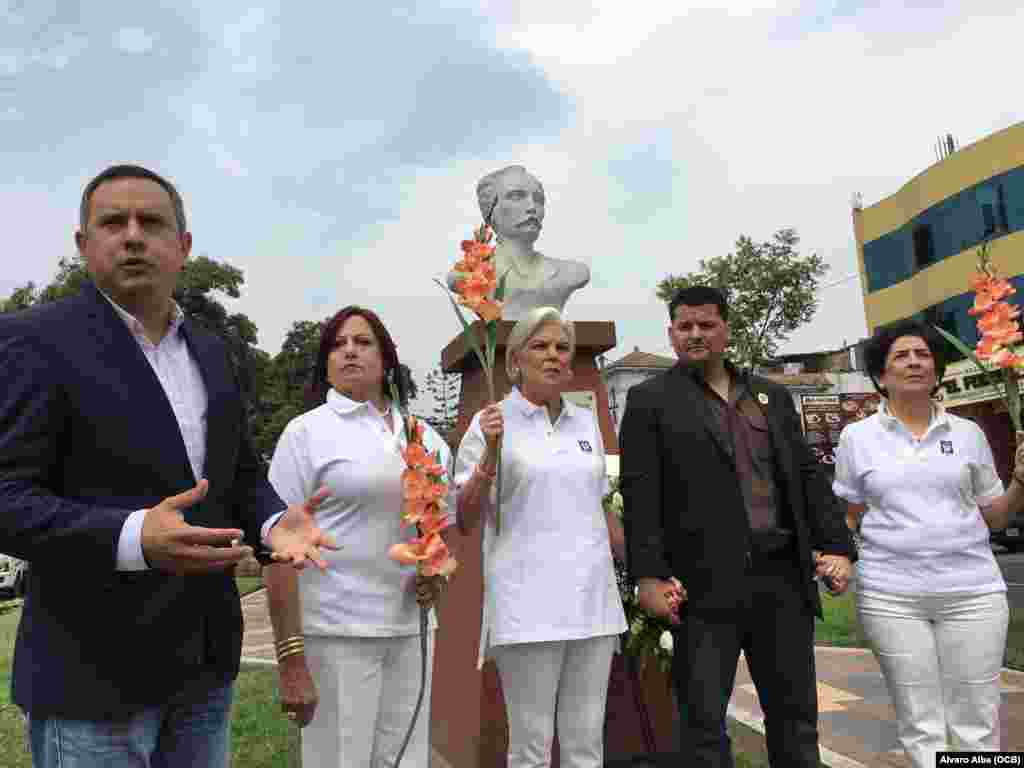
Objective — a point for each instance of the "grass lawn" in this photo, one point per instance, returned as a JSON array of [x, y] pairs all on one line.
[[12, 725], [841, 628], [247, 584], [261, 737]]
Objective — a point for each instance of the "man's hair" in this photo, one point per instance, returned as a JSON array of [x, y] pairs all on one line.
[[697, 296], [487, 188], [131, 172], [877, 349]]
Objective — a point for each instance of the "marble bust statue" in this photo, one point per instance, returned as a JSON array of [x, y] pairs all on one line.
[[515, 201]]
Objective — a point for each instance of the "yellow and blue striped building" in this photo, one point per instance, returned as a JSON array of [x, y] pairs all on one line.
[[917, 252], [917, 248]]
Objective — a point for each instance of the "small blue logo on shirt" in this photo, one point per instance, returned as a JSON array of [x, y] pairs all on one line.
[[946, 446], [585, 446]]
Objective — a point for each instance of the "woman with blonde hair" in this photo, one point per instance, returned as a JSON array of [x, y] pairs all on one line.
[[552, 611]]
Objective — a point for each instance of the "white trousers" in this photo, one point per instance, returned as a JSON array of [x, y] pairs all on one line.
[[367, 688], [941, 656], [565, 680]]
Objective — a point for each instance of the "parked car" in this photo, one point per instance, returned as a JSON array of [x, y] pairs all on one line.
[[1012, 537], [13, 576]]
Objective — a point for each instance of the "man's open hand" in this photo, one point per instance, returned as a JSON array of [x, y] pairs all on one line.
[[295, 538], [170, 544]]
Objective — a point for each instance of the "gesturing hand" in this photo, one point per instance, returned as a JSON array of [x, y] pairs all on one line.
[[170, 544], [295, 538]]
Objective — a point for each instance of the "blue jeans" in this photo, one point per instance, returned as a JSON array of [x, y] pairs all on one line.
[[192, 729]]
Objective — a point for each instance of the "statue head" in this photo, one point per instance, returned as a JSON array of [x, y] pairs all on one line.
[[515, 202]]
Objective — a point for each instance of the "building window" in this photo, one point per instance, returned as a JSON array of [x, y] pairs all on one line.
[[1004, 221], [946, 320], [992, 203], [924, 248]]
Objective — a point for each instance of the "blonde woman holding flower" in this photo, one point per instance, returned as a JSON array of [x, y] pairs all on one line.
[[348, 639], [552, 611], [930, 595]]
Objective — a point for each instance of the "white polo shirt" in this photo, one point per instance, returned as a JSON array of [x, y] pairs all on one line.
[[922, 532], [549, 575], [346, 446]]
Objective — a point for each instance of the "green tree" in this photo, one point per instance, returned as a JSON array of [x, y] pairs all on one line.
[[201, 285], [22, 298], [770, 289], [285, 383]]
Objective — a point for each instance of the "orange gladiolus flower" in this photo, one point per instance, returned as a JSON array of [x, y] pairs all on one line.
[[416, 456], [1004, 358], [985, 349], [415, 485], [1000, 314], [982, 303], [1001, 289], [474, 254]]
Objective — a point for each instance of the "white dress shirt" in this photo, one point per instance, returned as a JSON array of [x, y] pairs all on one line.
[[549, 575], [922, 531], [182, 382], [345, 445]]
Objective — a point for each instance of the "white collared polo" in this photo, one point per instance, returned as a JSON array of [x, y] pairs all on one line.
[[549, 575], [345, 446], [922, 530]]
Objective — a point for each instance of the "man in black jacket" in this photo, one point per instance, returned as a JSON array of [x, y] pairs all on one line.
[[126, 477], [728, 518]]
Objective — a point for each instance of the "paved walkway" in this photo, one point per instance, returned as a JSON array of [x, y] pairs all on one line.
[[856, 720]]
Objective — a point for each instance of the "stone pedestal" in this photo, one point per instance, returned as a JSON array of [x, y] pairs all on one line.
[[468, 722], [592, 339]]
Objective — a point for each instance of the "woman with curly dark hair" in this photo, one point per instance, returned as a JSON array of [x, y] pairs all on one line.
[[930, 596]]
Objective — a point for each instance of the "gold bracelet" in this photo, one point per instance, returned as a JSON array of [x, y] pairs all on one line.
[[290, 644], [292, 652], [292, 639]]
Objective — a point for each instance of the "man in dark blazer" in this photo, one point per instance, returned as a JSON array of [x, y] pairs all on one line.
[[728, 519], [127, 478]]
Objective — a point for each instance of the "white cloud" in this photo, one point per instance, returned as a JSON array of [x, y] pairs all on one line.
[[11, 114], [694, 122], [11, 63], [250, 41], [133, 40], [63, 53]]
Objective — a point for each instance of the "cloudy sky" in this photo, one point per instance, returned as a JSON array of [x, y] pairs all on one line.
[[331, 151]]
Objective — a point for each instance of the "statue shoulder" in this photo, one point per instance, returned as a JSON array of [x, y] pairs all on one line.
[[575, 273]]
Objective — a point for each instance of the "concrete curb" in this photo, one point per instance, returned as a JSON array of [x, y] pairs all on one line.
[[828, 757], [1014, 673]]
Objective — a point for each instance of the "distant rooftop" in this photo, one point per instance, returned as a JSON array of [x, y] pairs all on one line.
[[638, 359]]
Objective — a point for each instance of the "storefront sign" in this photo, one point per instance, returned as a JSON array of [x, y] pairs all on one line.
[[964, 384], [824, 417]]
